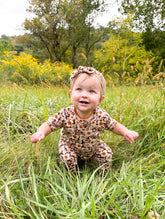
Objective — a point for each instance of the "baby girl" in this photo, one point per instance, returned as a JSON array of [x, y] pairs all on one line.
[[83, 122]]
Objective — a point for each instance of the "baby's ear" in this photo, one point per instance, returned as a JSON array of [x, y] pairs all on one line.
[[70, 92], [101, 99]]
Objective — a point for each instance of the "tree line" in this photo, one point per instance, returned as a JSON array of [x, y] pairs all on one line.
[[64, 31]]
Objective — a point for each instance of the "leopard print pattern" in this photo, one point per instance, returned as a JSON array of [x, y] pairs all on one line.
[[80, 138]]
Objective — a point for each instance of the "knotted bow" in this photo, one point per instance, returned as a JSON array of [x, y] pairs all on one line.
[[89, 70], [81, 69]]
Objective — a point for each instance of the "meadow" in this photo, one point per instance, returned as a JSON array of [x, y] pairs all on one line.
[[35, 184]]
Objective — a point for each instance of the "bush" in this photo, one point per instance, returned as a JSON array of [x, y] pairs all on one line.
[[25, 69]]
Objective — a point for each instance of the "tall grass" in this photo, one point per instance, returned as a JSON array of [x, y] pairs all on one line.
[[35, 184]]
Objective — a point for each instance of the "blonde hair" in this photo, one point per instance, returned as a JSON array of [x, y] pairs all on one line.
[[89, 71]]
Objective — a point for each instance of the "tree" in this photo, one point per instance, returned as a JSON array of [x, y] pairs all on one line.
[[61, 25], [122, 57], [80, 18], [147, 14], [5, 45], [155, 41], [48, 26], [148, 17]]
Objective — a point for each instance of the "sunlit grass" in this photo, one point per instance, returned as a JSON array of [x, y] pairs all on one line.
[[37, 185]]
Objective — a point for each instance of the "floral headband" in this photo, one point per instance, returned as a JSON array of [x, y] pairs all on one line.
[[90, 70]]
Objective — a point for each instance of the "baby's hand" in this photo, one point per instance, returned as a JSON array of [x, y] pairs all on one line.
[[38, 136], [131, 136]]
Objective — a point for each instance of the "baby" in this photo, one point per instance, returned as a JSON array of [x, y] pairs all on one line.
[[83, 122]]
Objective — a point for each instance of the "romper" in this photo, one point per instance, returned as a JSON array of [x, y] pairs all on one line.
[[80, 138]]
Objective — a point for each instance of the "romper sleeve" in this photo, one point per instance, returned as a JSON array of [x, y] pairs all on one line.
[[105, 119], [56, 121], [110, 122]]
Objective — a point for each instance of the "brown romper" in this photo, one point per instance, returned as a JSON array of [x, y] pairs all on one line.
[[80, 138]]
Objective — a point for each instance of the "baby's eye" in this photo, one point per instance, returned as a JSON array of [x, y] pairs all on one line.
[[92, 91], [78, 89]]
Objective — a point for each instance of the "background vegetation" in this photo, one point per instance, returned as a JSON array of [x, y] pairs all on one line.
[[66, 31], [34, 77]]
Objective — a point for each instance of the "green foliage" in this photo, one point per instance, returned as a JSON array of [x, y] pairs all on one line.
[[147, 14], [155, 41], [63, 25], [5, 45], [120, 62], [122, 57], [148, 18]]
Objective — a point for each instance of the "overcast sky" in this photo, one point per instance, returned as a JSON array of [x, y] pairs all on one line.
[[13, 14]]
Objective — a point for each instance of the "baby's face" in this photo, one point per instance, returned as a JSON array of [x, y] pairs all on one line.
[[86, 94]]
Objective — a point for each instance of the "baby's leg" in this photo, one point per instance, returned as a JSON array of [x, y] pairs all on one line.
[[69, 157], [104, 156]]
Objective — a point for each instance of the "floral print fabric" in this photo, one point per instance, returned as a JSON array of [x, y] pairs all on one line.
[[80, 138]]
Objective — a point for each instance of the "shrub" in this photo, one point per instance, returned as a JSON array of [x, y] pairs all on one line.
[[26, 70]]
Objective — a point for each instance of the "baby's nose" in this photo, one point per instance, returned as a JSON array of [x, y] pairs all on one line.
[[84, 94]]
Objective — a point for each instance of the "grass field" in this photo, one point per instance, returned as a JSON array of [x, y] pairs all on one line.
[[34, 182]]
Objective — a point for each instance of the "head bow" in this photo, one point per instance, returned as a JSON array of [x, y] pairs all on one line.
[[90, 70], [81, 69]]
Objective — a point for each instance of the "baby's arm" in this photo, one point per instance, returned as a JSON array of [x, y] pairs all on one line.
[[41, 133], [129, 135]]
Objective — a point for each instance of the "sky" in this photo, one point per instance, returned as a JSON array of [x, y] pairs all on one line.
[[13, 14]]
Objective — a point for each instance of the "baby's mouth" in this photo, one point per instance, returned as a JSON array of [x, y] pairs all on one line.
[[84, 102]]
